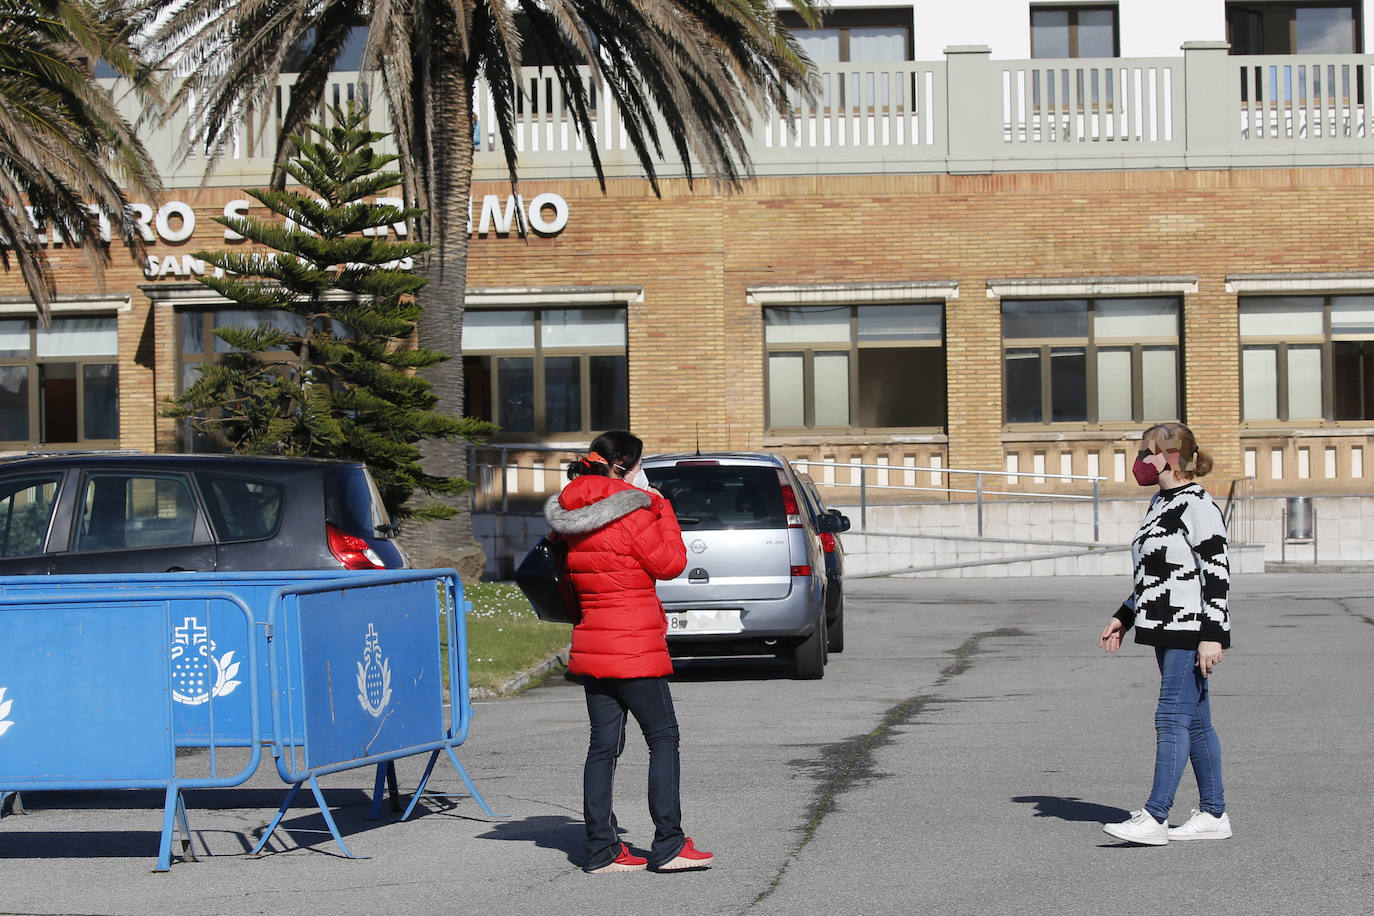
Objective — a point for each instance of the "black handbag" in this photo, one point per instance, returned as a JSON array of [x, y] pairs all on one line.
[[543, 577]]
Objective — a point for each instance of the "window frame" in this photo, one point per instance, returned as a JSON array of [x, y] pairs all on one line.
[[844, 20], [851, 349], [205, 311], [34, 363], [538, 353], [1091, 346], [1357, 16], [1073, 9], [1326, 341]]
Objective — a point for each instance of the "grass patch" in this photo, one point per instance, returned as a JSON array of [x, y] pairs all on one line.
[[504, 636]]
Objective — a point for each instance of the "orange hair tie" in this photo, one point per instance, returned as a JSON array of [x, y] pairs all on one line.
[[593, 456]]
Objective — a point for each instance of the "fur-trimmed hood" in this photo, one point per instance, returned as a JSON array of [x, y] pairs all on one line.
[[590, 510]]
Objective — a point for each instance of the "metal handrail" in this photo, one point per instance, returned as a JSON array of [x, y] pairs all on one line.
[[978, 490], [1238, 514]]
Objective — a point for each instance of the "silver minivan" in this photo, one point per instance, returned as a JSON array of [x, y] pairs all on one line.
[[755, 578]]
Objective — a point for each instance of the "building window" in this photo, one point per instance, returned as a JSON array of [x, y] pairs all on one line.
[[59, 386], [547, 371], [198, 344], [1294, 28], [1306, 358], [855, 36], [855, 366], [1074, 31], [1091, 360]]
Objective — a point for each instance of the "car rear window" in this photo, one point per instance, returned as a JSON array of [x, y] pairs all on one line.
[[721, 496], [353, 504], [242, 508]]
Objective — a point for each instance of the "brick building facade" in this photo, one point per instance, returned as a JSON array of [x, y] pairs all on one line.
[[967, 263], [697, 270]]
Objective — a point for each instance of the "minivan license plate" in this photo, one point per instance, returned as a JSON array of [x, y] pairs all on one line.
[[705, 622]]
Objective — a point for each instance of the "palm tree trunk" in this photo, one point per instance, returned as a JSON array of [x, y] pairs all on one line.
[[440, 327]]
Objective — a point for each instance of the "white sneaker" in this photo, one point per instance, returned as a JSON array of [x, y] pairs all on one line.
[[1142, 828], [1203, 826]]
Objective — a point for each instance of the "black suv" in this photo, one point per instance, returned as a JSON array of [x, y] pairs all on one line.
[[97, 512]]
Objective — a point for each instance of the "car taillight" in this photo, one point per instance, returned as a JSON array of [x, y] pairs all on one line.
[[789, 506], [827, 542], [351, 551], [801, 570]]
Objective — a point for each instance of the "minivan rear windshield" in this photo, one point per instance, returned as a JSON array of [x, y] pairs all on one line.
[[353, 504], [721, 496]]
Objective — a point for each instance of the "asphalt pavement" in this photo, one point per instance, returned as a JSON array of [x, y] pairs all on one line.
[[959, 757]]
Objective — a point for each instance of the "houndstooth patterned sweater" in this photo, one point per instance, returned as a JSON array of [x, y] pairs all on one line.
[[1182, 574]]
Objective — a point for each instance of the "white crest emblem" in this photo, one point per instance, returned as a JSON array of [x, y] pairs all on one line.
[[374, 675], [5, 705], [197, 673]]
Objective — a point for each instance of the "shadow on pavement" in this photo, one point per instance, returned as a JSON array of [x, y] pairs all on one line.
[[760, 668], [547, 831], [1072, 809]]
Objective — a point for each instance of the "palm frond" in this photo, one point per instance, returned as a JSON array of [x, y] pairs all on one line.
[[66, 152]]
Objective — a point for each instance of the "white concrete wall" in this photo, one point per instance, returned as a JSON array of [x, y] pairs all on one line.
[[1344, 525], [1003, 25], [945, 535], [1148, 28]]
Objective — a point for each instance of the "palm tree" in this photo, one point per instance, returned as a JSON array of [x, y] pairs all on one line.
[[64, 147], [702, 66]]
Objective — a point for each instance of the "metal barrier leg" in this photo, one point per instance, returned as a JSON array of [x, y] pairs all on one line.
[[472, 789], [187, 850], [467, 780], [16, 808], [169, 814], [386, 773], [329, 818], [272, 827], [420, 789]]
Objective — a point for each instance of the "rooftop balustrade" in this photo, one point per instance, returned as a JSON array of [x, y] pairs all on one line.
[[964, 114]]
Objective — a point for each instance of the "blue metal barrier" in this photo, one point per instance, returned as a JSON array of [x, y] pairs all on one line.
[[341, 705], [203, 668], [347, 664], [88, 683]]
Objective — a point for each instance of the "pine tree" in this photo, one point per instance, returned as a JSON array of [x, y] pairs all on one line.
[[332, 374]]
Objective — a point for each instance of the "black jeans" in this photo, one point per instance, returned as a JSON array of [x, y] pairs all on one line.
[[610, 701]]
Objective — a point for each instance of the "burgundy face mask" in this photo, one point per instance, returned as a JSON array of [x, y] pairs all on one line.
[[1146, 474]]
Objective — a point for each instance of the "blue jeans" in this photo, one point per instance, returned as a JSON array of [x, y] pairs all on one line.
[[610, 701], [1183, 732]]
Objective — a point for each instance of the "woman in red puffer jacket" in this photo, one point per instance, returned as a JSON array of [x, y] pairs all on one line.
[[620, 539]]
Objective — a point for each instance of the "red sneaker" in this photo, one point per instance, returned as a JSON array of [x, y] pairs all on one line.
[[690, 857], [626, 861]]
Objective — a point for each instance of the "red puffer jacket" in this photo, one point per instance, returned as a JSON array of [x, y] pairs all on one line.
[[620, 540]]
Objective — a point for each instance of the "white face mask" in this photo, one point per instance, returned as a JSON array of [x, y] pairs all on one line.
[[640, 480]]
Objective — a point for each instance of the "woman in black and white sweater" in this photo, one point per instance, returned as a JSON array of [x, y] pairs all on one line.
[[1178, 606]]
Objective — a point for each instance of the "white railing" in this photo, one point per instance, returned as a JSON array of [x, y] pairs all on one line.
[[967, 113], [1132, 102], [1305, 99]]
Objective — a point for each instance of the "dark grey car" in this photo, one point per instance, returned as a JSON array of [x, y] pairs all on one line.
[[833, 549], [89, 512]]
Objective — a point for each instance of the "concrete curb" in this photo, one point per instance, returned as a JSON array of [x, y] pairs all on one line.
[[1293, 566], [523, 679]]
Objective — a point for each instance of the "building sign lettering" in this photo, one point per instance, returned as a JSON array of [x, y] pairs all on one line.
[[174, 221]]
